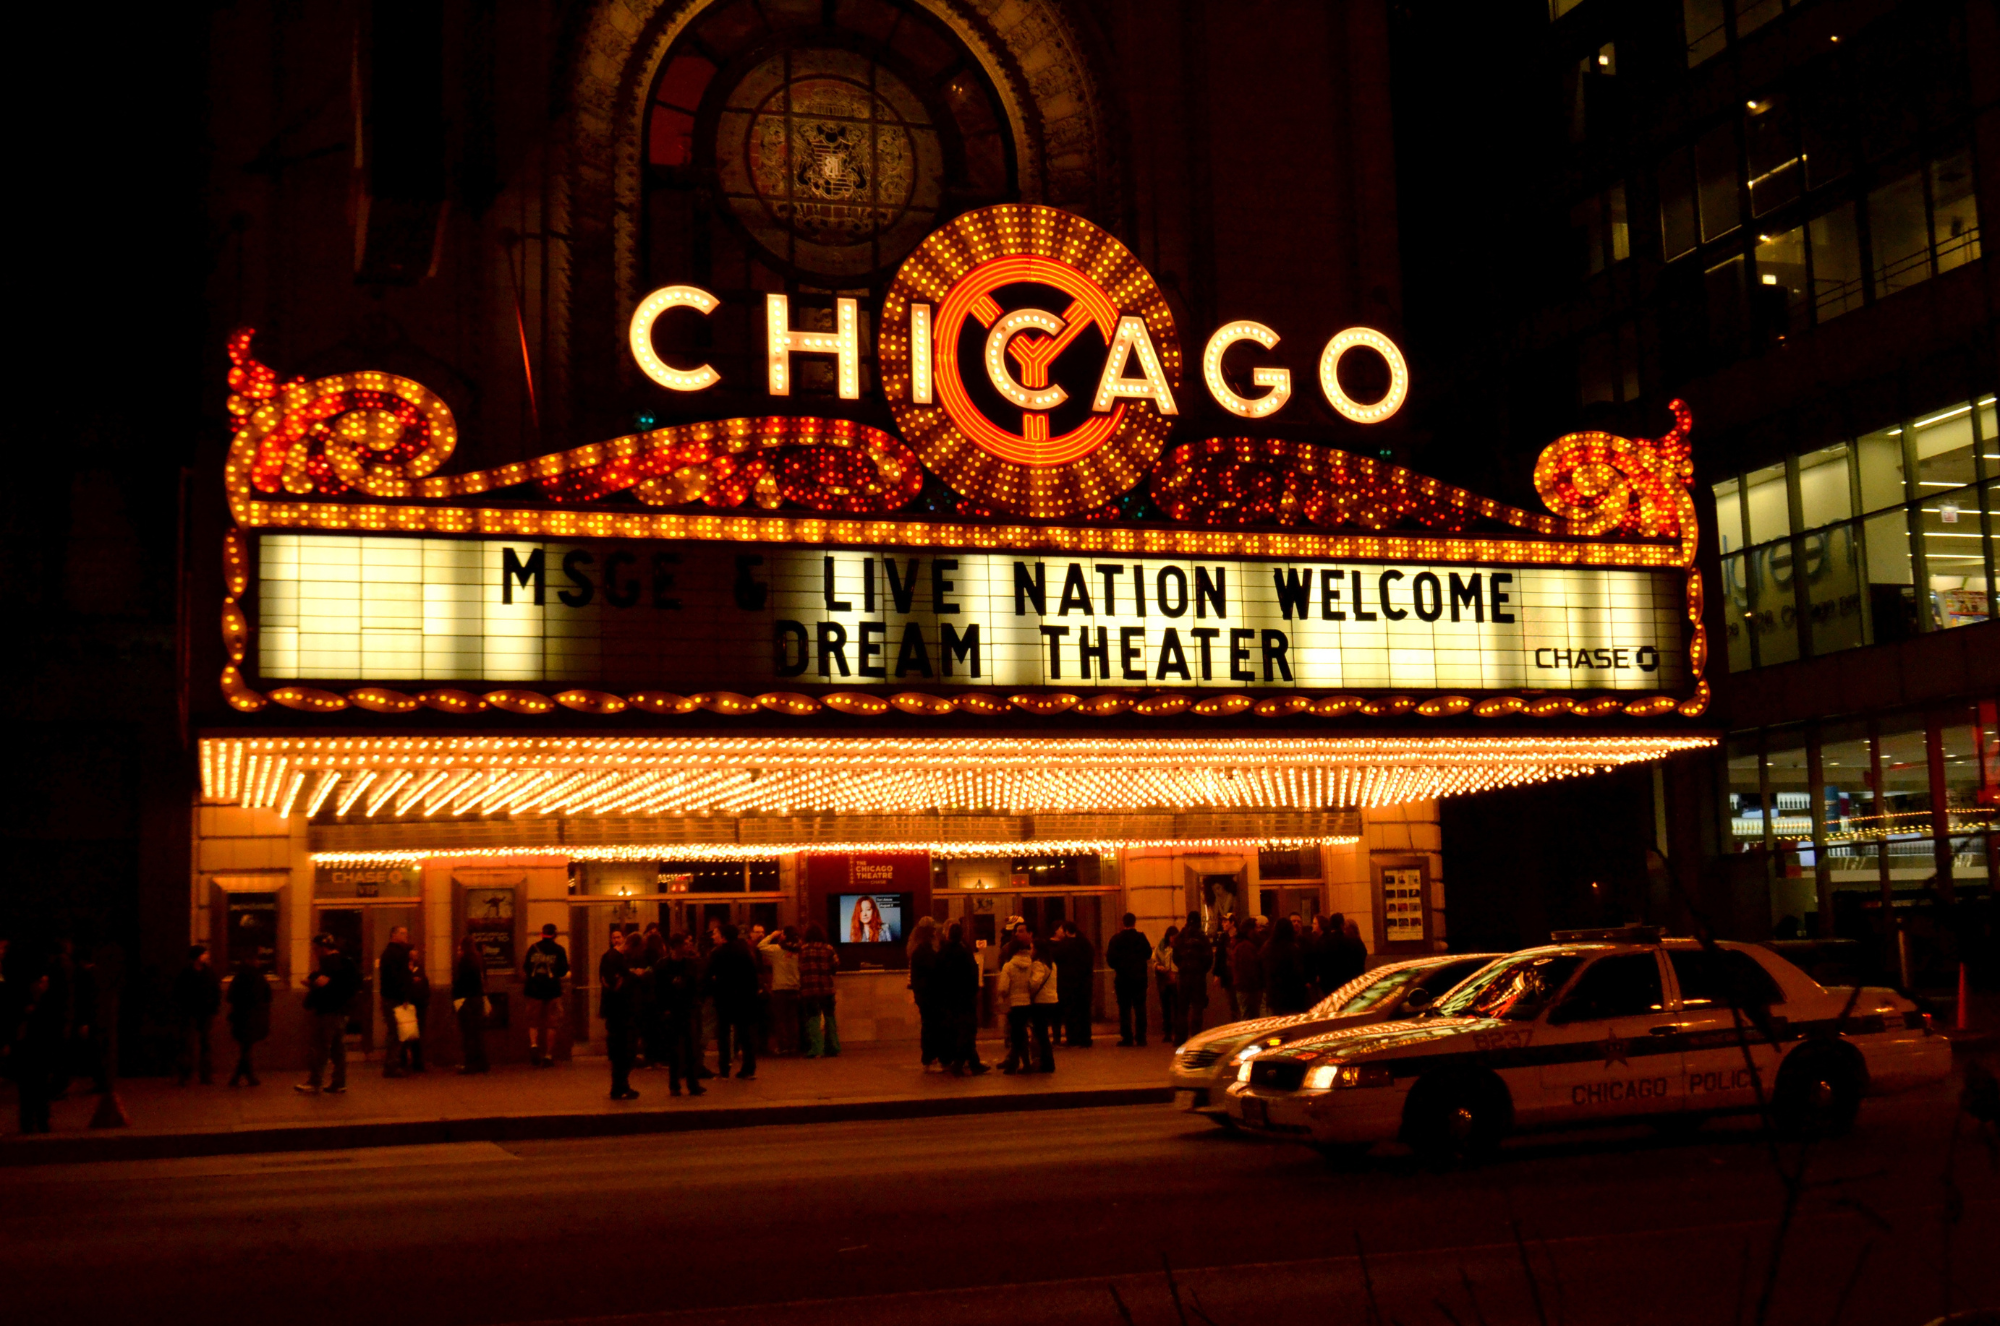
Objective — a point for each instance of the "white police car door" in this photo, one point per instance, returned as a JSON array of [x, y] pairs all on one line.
[[1600, 1053], [1724, 994]]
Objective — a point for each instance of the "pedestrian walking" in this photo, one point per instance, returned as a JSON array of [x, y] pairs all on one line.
[[249, 1000], [955, 997], [545, 967], [34, 1038], [781, 950], [677, 985], [1166, 981], [1046, 983], [468, 1003], [1192, 956], [1076, 974], [392, 987], [197, 996], [330, 995], [1284, 970], [1016, 993], [923, 954], [618, 1005], [1246, 969], [1130, 956], [732, 983], [817, 962]]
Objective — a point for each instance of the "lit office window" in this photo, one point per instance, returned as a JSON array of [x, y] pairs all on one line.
[[1825, 490], [1736, 598]]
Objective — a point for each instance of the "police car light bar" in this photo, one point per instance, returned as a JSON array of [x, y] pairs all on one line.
[[1617, 934]]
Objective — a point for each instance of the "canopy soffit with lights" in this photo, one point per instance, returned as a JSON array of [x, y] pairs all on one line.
[[1034, 546]]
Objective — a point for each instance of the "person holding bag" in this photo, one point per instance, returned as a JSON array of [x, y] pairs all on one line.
[[392, 983], [468, 1000]]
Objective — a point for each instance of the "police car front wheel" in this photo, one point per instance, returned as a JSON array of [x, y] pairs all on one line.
[[1818, 1092], [1458, 1116]]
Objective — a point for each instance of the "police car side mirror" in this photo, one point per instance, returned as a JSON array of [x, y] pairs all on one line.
[[1417, 999]]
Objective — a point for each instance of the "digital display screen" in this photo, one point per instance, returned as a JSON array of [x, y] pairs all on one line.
[[868, 918]]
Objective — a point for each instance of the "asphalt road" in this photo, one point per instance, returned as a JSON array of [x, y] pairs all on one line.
[[1011, 1218]]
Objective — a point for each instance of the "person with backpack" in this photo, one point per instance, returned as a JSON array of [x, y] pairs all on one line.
[[618, 1005], [546, 965], [1129, 955]]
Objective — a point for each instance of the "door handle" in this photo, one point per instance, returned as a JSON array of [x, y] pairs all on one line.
[[1667, 1030]]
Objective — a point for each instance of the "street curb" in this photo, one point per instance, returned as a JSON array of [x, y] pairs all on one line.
[[70, 1149]]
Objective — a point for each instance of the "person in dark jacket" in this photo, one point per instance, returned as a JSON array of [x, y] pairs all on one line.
[[1328, 954], [197, 996], [330, 995], [1284, 971], [618, 1005], [1223, 944], [35, 1036], [392, 985], [1130, 957], [420, 999], [249, 1017], [1351, 954], [955, 996], [1076, 984], [652, 1017], [923, 953], [1246, 968], [677, 987], [545, 967], [1192, 958], [732, 983], [468, 1000]]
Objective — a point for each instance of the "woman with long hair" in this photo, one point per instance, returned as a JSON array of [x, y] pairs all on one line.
[[866, 925], [923, 955]]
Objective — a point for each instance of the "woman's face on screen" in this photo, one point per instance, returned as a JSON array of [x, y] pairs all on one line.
[[865, 909]]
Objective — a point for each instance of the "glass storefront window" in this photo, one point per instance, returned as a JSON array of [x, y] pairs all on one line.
[[1954, 558], [1833, 589], [1774, 610], [1880, 456], [1849, 815], [1946, 457], [1770, 508], [1836, 256], [1892, 599], [1736, 594], [1906, 798], [1971, 796], [1729, 515], [1745, 799], [1791, 804], [1825, 494]]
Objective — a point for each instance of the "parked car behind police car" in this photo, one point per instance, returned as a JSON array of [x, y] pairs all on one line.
[[1203, 1068], [1600, 1027]]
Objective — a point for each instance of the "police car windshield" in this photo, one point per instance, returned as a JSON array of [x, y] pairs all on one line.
[[1380, 990], [1516, 988]]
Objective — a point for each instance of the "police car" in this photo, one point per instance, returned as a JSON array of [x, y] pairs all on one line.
[[1598, 1027], [1203, 1068]]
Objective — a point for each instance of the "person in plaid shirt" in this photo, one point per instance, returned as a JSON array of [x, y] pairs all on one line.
[[816, 967]]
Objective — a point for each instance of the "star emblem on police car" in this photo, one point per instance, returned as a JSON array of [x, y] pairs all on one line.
[[1614, 1049]]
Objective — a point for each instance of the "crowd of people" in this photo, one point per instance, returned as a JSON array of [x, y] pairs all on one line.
[[666, 998]]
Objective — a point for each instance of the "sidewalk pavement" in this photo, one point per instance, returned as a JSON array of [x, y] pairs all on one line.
[[516, 1103]]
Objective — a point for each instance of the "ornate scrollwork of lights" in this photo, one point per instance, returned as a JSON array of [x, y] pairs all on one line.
[[951, 278], [1247, 481]]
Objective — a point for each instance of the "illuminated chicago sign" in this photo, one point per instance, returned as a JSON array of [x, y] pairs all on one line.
[[780, 564]]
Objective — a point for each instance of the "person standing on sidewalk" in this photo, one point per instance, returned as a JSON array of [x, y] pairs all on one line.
[[249, 1017], [732, 982], [1246, 967], [923, 954], [1129, 955], [468, 1001], [546, 965], [1284, 971], [618, 1005], [1192, 956], [34, 1036], [1223, 944], [677, 986], [781, 955], [817, 962], [1165, 981], [330, 995], [1016, 993], [1076, 973], [420, 999], [392, 985], [955, 998], [1046, 983], [197, 996]]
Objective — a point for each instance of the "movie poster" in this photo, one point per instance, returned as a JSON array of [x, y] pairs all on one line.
[[489, 919]]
